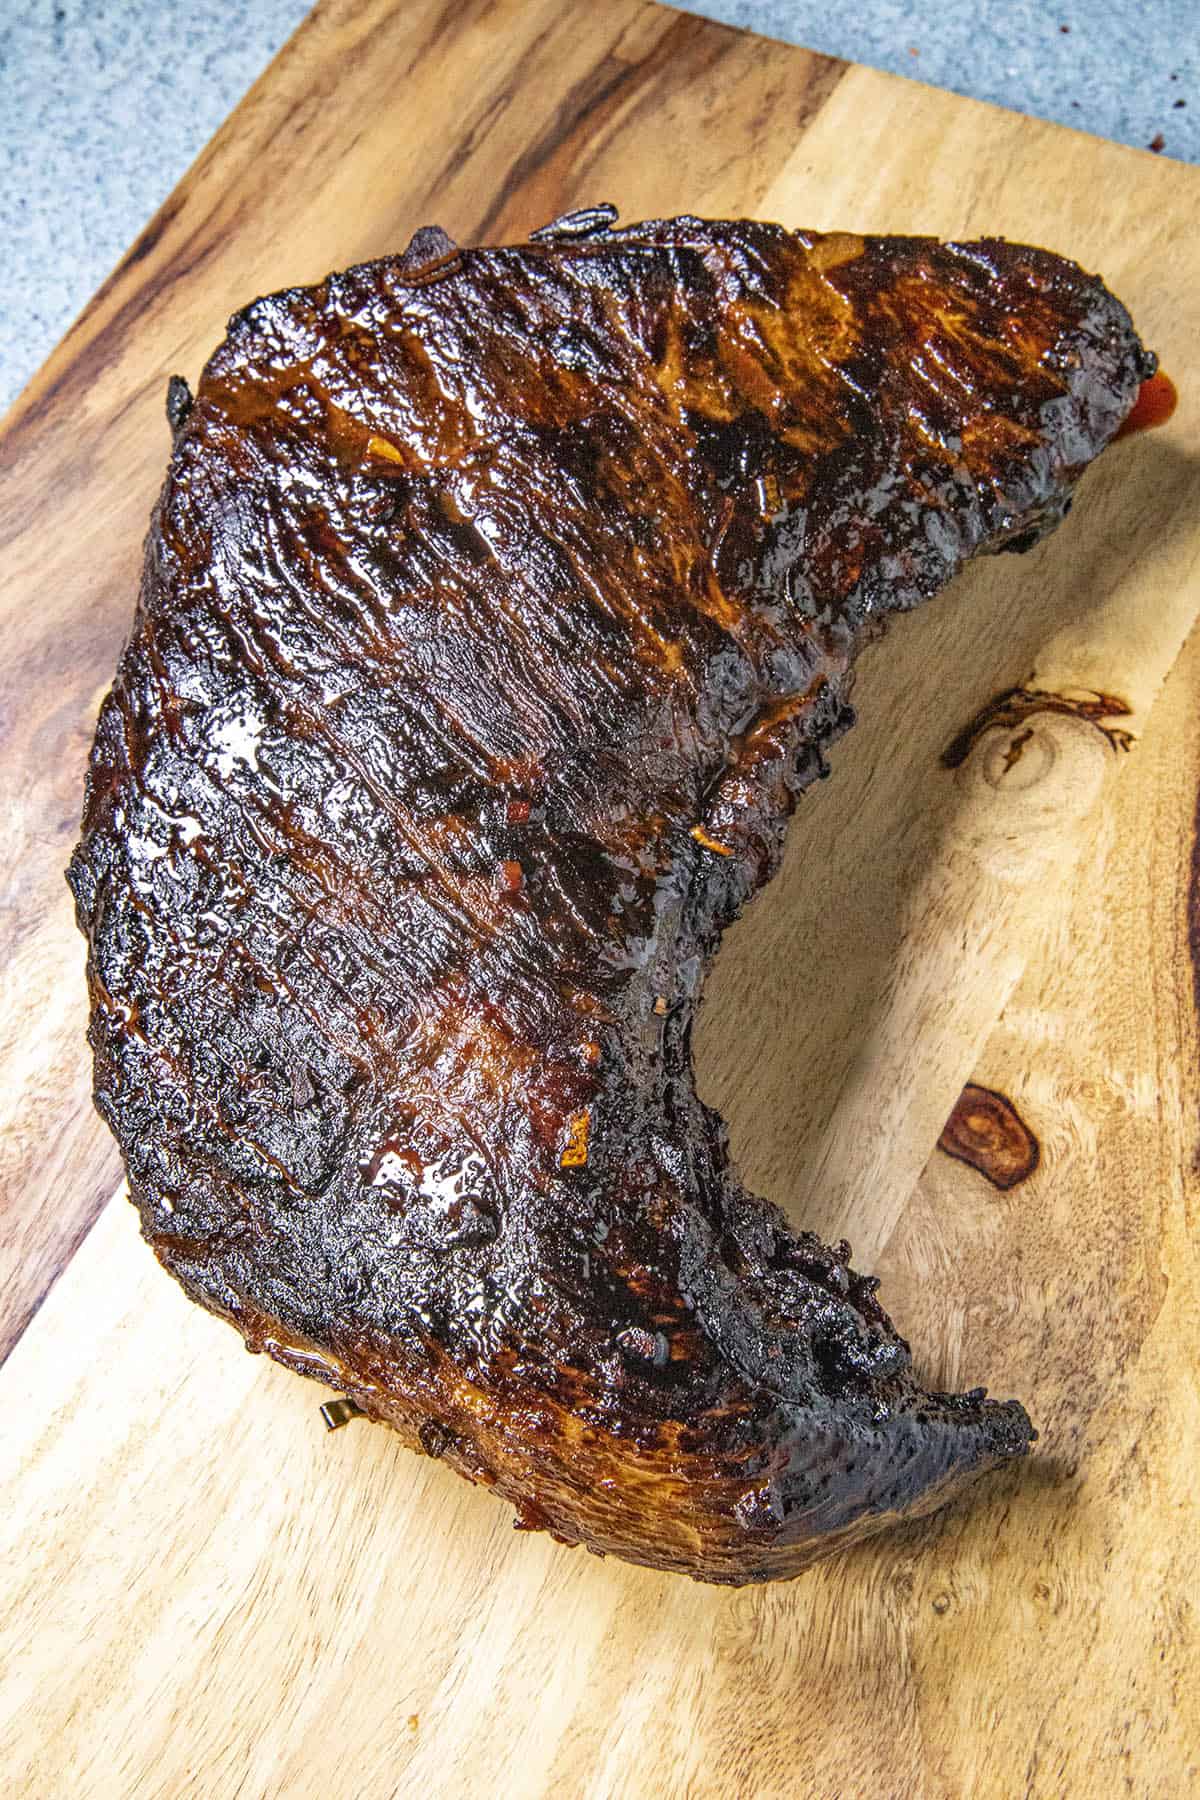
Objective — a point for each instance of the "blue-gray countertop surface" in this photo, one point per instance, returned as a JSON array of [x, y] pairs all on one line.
[[104, 103]]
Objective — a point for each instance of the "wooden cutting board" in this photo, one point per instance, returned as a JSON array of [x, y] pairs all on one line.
[[208, 1595]]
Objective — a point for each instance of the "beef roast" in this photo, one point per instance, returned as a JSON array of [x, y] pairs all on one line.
[[498, 607]]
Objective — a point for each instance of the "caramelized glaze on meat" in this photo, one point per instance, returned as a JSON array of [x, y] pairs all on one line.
[[498, 606]]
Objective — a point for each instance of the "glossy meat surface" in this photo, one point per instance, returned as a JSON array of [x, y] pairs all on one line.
[[497, 608]]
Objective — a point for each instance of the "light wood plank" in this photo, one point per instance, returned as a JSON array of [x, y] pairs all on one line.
[[206, 1594]]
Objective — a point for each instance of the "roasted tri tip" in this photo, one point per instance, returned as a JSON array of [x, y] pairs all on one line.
[[489, 575]]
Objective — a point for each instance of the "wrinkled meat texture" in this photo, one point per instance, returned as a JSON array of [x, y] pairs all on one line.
[[498, 606]]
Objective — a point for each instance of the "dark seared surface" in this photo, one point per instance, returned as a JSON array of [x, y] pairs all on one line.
[[497, 608]]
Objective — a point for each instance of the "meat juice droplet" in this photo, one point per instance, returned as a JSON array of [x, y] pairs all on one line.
[[986, 1131], [1154, 405]]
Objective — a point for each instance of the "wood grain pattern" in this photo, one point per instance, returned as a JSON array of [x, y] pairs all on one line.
[[208, 1595]]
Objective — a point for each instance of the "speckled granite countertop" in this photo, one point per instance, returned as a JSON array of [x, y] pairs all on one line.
[[104, 103]]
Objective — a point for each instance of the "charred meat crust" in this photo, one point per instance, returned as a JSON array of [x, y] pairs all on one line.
[[497, 609]]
